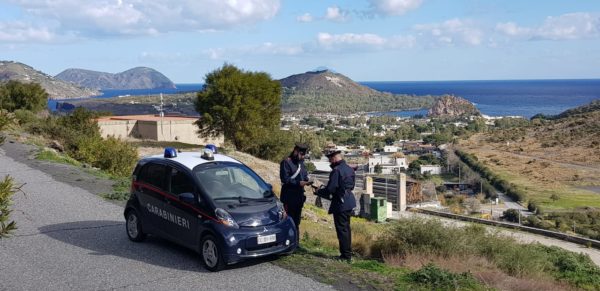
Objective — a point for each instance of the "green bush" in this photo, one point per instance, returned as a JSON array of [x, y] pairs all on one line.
[[7, 189], [79, 133], [15, 95], [116, 157], [24, 117], [439, 279], [512, 215]]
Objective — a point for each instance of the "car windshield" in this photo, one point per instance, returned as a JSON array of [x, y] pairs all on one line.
[[232, 182]]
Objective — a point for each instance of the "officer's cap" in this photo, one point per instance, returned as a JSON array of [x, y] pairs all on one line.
[[303, 148], [332, 153]]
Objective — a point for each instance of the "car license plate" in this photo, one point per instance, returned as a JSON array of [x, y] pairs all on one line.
[[266, 239]]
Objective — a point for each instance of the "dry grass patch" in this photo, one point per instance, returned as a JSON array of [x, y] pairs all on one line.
[[482, 269]]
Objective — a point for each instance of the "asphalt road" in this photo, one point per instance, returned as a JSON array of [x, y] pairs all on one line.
[[71, 239]]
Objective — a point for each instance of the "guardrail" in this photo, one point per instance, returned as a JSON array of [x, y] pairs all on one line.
[[549, 233]]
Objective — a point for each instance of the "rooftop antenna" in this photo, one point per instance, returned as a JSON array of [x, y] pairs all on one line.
[[161, 112]]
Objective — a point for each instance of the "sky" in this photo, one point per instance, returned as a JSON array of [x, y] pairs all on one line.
[[367, 40]]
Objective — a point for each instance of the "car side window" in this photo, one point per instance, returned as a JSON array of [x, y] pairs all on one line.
[[180, 182], [154, 174]]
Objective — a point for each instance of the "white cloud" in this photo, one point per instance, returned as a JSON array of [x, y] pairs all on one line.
[[334, 13], [14, 32], [365, 41], [266, 48], [569, 26], [451, 32], [146, 17], [306, 17], [394, 7]]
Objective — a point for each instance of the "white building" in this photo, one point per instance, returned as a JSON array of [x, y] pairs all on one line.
[[390, 149], [432, 169], [389, 164]]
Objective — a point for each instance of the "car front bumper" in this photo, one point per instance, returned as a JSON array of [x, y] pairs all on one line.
[[242, 243]]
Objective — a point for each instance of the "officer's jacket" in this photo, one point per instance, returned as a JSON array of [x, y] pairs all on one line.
[[339, 188], [291, 191]]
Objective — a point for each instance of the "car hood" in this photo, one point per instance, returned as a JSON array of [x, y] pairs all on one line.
[[254, 215]]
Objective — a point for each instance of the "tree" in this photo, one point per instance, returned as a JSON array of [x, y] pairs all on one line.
[[16, 95], [243, 106], [378, 169]]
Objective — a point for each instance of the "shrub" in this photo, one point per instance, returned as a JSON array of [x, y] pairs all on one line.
[[24, 117], [16, 95], [511, 215], [116, 157], [7, 189], [439, 279], [521, 260]]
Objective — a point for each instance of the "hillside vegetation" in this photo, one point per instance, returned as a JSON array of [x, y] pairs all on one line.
[[555, 161], [329, 92]]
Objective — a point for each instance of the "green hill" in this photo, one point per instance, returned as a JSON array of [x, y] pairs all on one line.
[[329, 92]]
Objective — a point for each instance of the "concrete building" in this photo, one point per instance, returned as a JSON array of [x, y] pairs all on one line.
[[432, 169], [389, 164], [153, 127], [390, 149]]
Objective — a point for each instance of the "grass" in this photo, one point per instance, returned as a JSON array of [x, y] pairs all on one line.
[[570, 196], [120, 191], [52, 156], [540, 179], [418, 254], [440, 179], [314, 260]]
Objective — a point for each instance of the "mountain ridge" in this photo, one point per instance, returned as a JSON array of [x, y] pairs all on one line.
[[56, 88], [134, 78]]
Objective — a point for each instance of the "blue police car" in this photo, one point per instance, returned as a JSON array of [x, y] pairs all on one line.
[[210, 203]]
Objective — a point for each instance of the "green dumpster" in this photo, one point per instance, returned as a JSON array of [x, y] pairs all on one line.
[[378, 209]]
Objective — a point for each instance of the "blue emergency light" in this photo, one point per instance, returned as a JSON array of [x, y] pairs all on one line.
[[170, 153], [212, 147]]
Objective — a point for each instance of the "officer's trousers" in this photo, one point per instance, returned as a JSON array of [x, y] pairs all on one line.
[[342, 228], [294, 210]]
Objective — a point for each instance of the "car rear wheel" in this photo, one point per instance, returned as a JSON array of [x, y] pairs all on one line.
[[212, 256], [133, 226]]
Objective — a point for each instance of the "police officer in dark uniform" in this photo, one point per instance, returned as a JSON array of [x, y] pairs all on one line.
[[294, 177], [339, 191]]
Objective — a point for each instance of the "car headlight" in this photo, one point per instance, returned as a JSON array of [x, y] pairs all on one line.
[[281, 211], [225, 218]]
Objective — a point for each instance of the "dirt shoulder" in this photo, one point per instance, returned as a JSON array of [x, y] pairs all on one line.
[[68, 174]]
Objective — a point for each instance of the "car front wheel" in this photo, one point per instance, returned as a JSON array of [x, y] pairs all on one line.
[[133, 226], [212, 256]]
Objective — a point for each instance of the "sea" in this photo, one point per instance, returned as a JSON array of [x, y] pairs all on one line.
[[502, 97], [494, 98]]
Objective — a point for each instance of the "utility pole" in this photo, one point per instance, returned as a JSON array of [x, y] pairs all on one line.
[[481, 186]]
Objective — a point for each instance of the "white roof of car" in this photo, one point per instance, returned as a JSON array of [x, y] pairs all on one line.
[[192, 159]]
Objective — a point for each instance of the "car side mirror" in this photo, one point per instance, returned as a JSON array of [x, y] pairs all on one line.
[[186, 197], [270, 186]]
